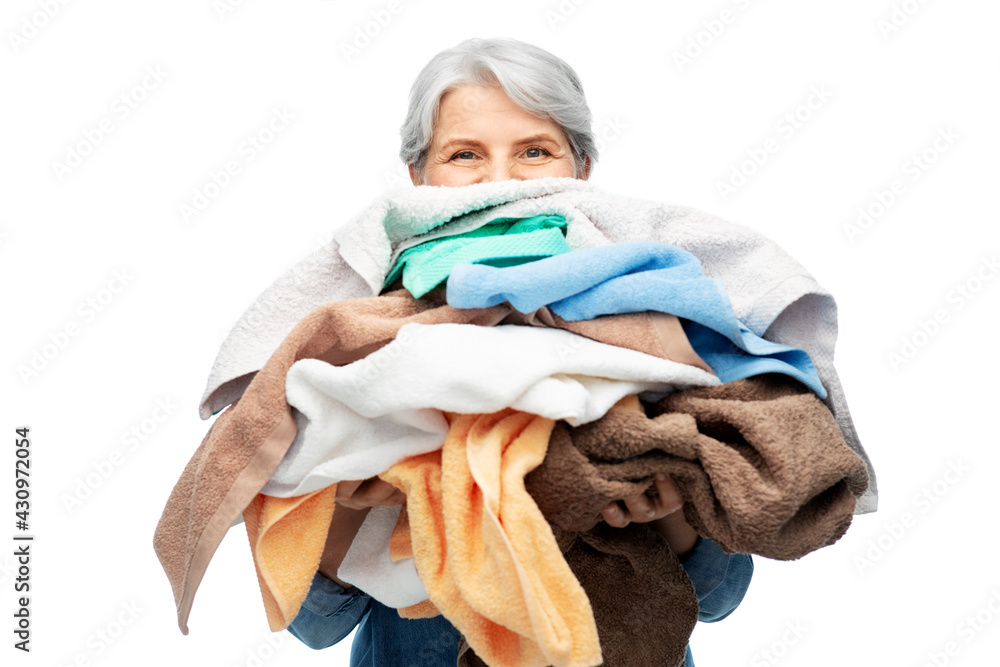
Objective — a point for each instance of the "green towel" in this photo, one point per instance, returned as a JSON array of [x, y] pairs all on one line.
[[502, 242]]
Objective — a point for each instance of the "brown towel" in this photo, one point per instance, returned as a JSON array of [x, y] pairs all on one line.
[[760, 463], [658, 334]]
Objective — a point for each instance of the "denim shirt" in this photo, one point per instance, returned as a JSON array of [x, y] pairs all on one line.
[[383, 639]]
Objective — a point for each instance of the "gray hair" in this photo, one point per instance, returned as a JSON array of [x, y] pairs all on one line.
[[533, 78]]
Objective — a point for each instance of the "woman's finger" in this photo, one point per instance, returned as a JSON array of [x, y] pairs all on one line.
[[641, 508], [615, 516], [669, 498], [373, 492], [347, 489]]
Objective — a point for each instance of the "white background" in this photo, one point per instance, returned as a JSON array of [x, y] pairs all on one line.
[[681, 130]]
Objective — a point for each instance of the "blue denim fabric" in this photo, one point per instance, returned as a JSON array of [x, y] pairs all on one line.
[[383, 639], [720, 582], [720, 579]]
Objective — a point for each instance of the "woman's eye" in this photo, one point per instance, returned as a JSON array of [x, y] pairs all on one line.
[[535, 152], [464, 155]]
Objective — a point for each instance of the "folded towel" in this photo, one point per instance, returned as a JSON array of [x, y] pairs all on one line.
[[500, 243], [759, 462], [357, 420], [287, 536], [770, 292], [635, 277], [483, 550]]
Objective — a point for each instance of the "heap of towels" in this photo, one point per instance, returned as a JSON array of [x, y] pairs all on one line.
[[514, 356]]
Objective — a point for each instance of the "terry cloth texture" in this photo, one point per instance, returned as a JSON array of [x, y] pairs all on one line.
[[635, 277], [243, 449], [760, 464], [486, 554], [371, 565], [245, 444], [500, 243], [771, 293], [287, 536], [644, 604]]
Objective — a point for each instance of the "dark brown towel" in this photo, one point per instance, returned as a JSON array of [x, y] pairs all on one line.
[[762, 468], [760, 463]]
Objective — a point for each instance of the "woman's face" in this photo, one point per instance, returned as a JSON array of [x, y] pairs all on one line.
[[482, 136]]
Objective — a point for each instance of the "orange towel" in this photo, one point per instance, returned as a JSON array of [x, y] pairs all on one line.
[[287, 536], [484, 551]]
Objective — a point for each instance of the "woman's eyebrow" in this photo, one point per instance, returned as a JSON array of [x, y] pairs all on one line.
[[459, 141], [475, 143], [538, 139]]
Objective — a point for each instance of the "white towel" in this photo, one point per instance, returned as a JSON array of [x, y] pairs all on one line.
[[357, 421], [369, 566], [770, 291]]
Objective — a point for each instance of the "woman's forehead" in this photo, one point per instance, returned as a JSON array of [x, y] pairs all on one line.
[[487, 110]]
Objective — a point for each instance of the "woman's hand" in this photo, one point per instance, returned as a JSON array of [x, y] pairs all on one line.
[[660, 513], [643, 509]]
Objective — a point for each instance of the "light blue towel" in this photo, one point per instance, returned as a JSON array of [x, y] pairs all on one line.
[[630, 278]]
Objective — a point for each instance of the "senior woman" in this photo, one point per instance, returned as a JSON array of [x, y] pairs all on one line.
[[491, 110]]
